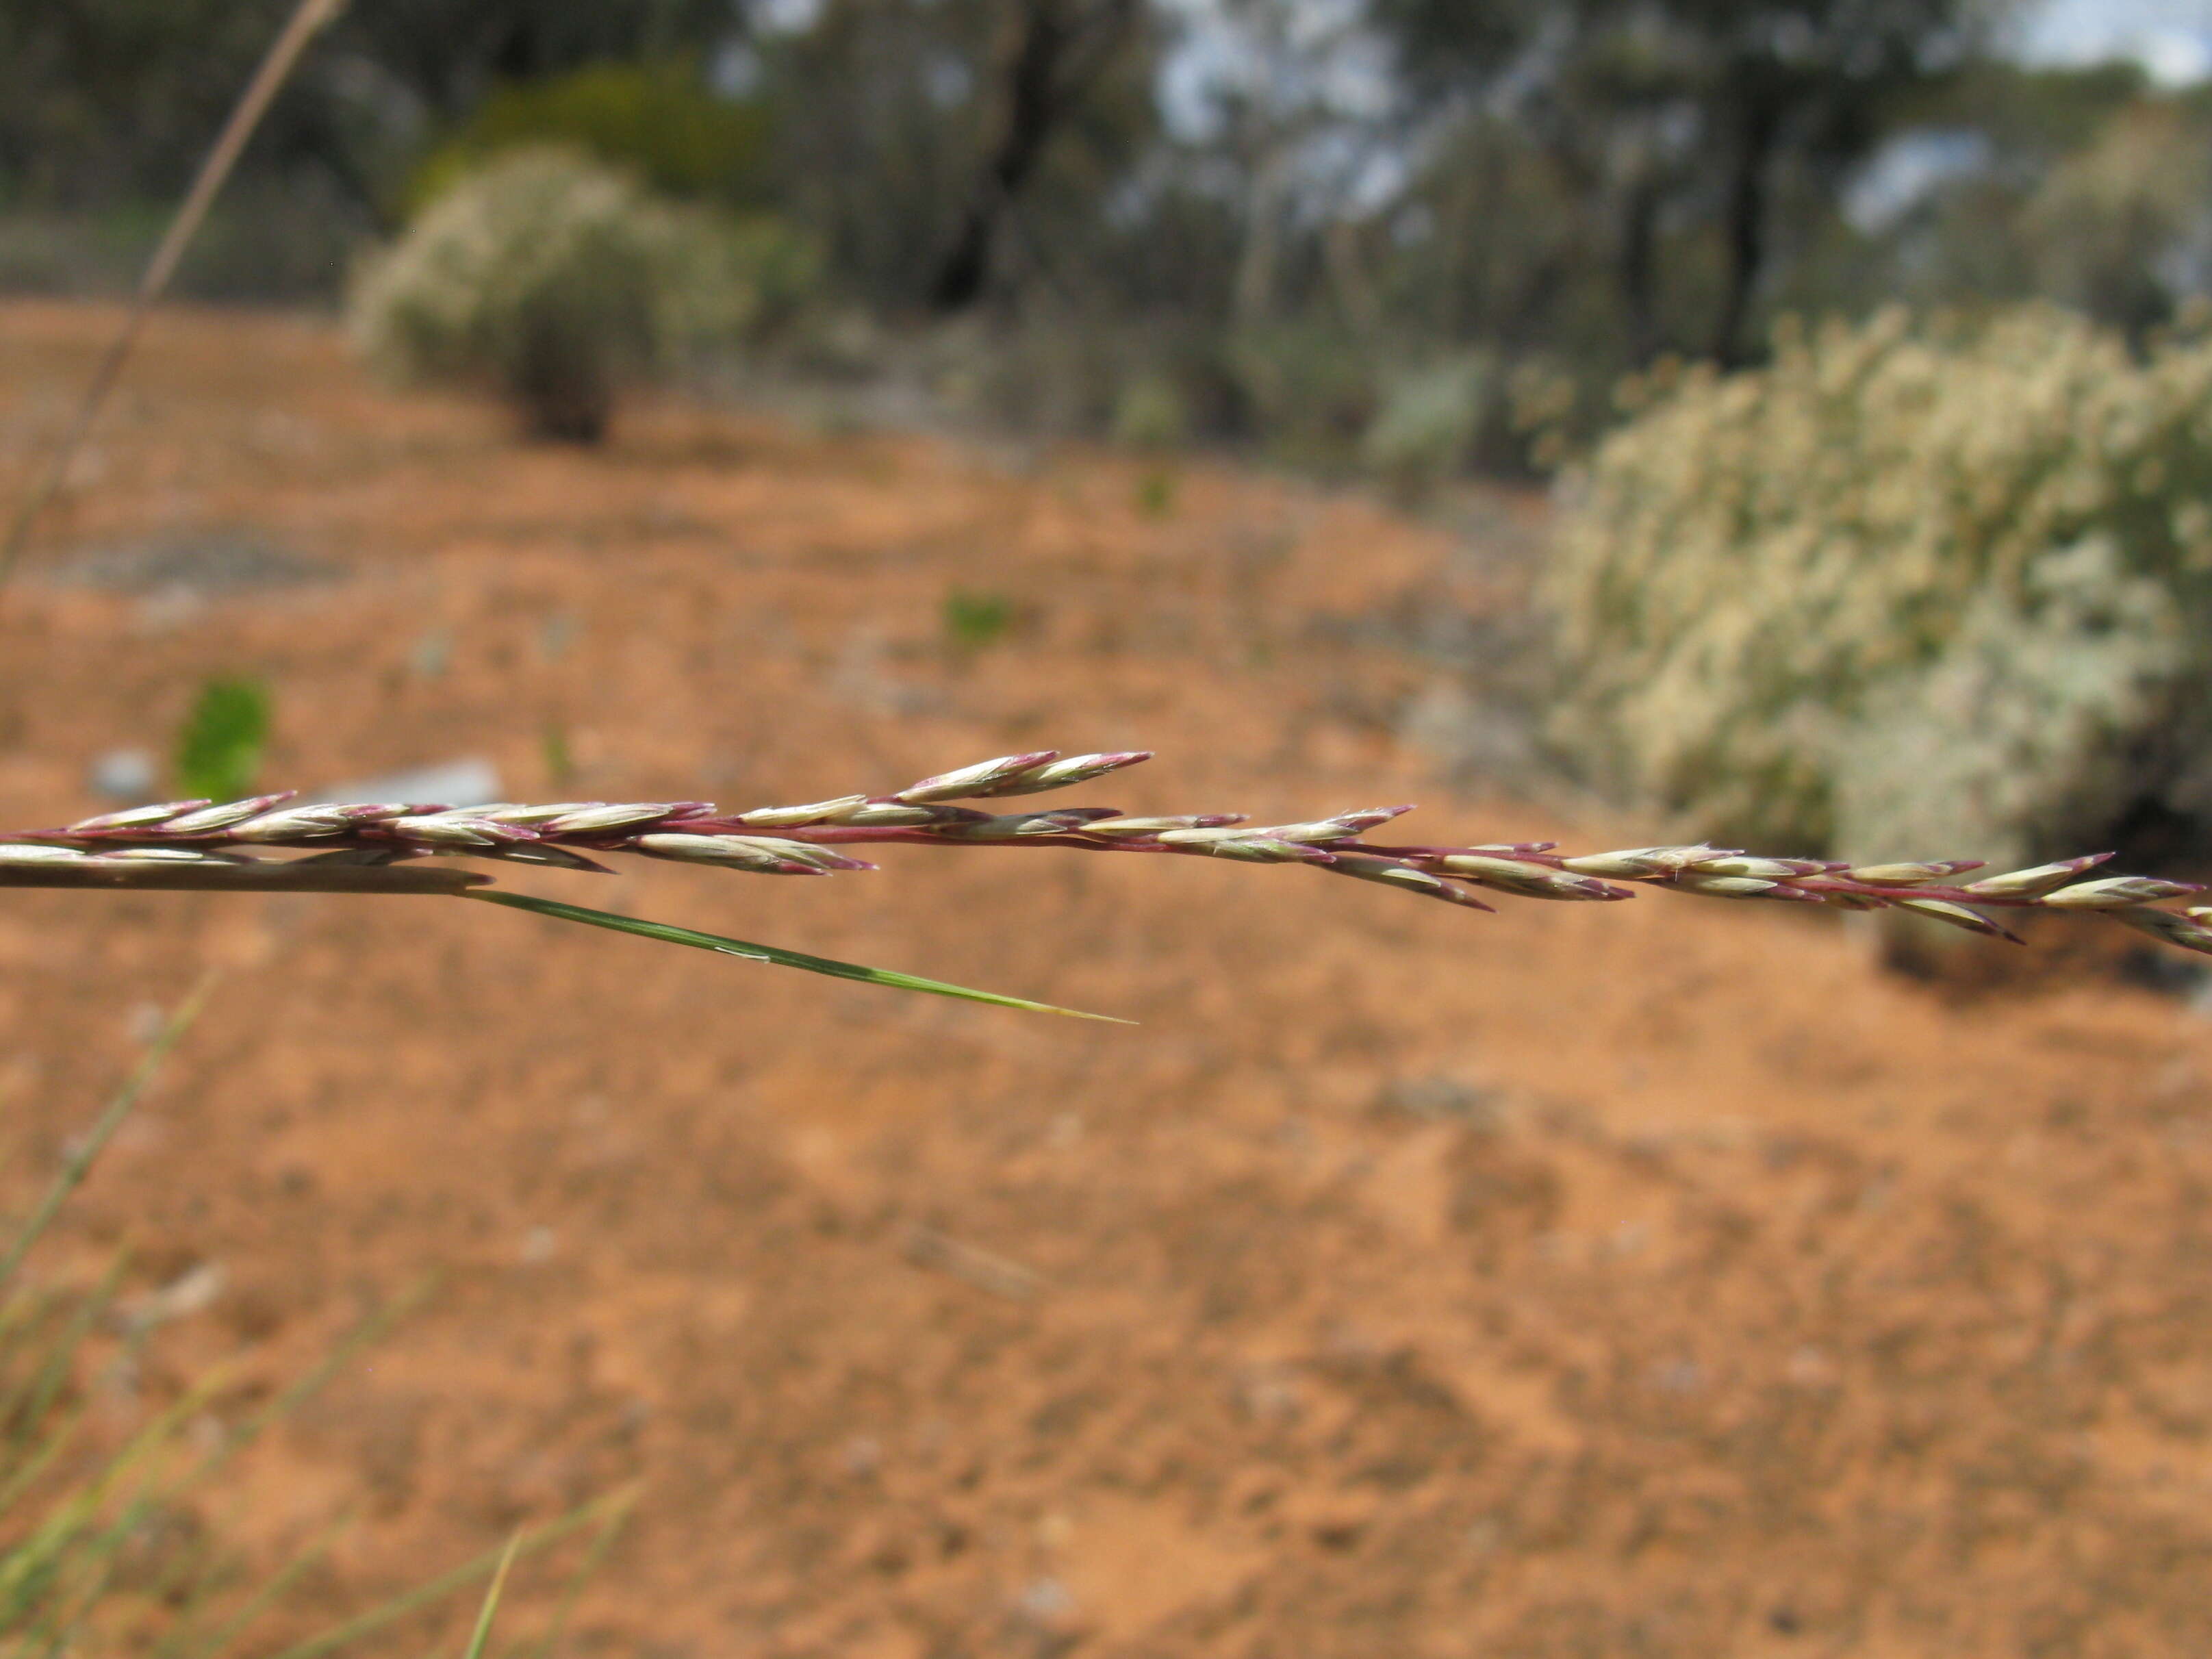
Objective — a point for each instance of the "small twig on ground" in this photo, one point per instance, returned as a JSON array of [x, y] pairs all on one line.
[[925, 1247]]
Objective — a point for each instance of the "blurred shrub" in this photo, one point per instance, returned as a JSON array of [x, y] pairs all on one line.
[[1426, 429], [656, 121], [1309, 393], [1548, 413], [1152, 412], [553, 280], [1944, 585], [2119, 229], [269, 239], [775, 268]]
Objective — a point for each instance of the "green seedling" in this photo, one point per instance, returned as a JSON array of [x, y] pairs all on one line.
[[219, 749]]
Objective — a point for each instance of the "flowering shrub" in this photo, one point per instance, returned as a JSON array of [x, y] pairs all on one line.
[[553, 280], [1949, 578]]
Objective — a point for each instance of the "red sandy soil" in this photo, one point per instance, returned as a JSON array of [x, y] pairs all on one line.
[[1656, 1278]]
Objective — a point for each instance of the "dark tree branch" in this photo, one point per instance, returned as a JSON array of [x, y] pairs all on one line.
[[1062, 49], [1744, 224]]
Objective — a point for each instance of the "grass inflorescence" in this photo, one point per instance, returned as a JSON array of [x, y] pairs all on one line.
[[386, 848]]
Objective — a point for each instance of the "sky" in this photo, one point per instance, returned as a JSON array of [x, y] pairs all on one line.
[[2172, 38]]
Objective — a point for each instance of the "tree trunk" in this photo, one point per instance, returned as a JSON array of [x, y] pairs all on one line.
[[1355, 296], [1639, 267], [1040, 91], [1252, 299], [1745, 224]]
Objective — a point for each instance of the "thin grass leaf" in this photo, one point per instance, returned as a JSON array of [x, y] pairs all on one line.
[[24, 1404], [668, 934], [182, 1638], [27, 1406], [482, 1632], [287, 1400], [617, 1517], [79, 1163], [69, 1538], [423, 1595]]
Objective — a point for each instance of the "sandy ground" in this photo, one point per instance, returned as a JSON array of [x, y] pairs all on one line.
[[1654, 1280]]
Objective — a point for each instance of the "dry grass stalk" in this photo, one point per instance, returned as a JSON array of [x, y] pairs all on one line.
[[371, 847], [309, 18]]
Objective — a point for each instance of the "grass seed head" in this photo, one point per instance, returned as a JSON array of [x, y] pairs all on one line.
[[1736, 864], [608, 816], [1133, 829], [138, 815], [1911, 875], [792, 818], [2117, 893], [147, 841], [1955, 916], [2189, 932], [1069, 771], [295, 823], [1525, 880], [442, 830], [1737, 887], [2031, 884], [1640, 863], [759, 855], [34, 852], [210, 818], [984, 778]]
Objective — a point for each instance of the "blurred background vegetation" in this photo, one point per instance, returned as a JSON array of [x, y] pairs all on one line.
[[1415, 240], [1428, 234]]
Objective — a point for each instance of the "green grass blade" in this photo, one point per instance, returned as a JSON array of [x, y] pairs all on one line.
[[769, 953], [423, 1595], [79, 1163], [185, 1637], [283, 1404], [482, 1632], [610, 1529], [26, 1402]]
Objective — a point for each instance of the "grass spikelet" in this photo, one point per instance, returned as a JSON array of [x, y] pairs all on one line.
[[376, 848]]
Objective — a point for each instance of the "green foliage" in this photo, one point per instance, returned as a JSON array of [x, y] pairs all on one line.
[[655, 121], [553, 280], [773, 271], [975, 619], [219, 749], [1948, 582], [1311, 392], [1157, 491]]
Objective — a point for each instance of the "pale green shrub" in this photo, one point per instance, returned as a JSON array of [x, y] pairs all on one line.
[[1948, 582], [1425, 431], [1152, 412], [553, 281], [1308, 393]]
